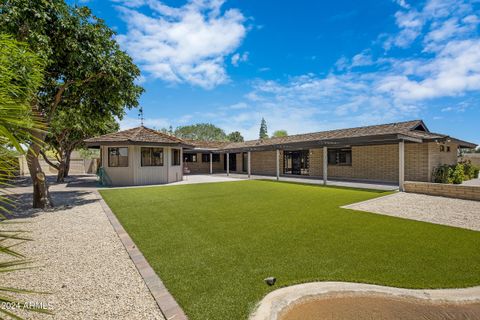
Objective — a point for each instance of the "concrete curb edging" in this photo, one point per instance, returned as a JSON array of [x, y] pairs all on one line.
[[167, 304], [272, 305]]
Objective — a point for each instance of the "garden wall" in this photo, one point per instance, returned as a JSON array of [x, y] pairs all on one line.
[[444, 190]]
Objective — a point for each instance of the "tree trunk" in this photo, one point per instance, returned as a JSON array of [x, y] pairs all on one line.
[[41, 195], [68, 155], [61, 170]]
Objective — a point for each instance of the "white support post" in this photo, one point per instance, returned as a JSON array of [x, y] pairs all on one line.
[[228, 163], [211, 163], [248, 165], [401, 165], [278, 164], [325, 165]]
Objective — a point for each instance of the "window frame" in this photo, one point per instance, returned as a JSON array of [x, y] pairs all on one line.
[[338, 152], [176, 160], [162, 158], [190, 155], [118, 161]]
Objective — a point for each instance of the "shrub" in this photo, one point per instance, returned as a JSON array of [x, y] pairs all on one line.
[[476, 170], [455, 173], [468, 169], [458, 174], [442, 174]]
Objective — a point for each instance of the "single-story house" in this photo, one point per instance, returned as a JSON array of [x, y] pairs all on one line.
[[390, 153]]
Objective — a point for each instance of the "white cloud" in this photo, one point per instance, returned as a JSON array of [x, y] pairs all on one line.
[[443, 20], [237, 58], [445, 63], [403, 4], [187, 44]]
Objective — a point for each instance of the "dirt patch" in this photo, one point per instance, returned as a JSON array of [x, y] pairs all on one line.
[[369, 307]]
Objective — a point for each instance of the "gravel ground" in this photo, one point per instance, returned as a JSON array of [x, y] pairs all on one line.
[[440, 210], [79, 259]]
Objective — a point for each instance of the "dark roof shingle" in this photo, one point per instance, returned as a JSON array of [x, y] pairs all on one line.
[[136, 135]]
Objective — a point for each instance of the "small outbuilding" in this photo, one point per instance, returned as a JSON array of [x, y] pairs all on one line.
[[140, 156]]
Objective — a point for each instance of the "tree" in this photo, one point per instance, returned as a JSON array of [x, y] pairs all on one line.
[[263, 130], [279, 133], [83, 63], [235, 136], [20, 76], [201, 131], [69, 128]]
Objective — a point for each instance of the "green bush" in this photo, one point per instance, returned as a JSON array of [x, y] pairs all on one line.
[[468, 169], [458, 174], [442, 174], [455, 174]]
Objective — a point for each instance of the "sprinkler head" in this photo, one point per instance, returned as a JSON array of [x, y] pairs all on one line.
[[270, 280]]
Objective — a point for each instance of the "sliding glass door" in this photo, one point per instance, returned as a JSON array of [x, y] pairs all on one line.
[[296, 162]]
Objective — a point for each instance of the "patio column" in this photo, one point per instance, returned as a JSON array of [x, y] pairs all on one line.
[[278, 164], [325, 165], [249, 168], [401, 165], [211, 163], [228, 163]]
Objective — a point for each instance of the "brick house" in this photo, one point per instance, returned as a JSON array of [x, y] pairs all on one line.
[[390, 153]]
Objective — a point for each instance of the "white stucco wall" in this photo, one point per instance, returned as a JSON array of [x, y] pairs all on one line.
[[135, 174]]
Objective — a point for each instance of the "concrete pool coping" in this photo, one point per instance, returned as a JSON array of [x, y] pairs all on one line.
[[274, 303]]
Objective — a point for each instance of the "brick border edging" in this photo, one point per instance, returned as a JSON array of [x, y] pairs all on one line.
[[167, 304]]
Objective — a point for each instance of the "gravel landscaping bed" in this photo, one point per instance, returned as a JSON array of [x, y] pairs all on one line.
[[80, 260], [440, 210]]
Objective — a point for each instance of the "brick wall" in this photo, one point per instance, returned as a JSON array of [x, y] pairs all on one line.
[[378, 162], [444, 190], [437, 157], [416, 162], [264, 162], [473, 157], [204, 167]]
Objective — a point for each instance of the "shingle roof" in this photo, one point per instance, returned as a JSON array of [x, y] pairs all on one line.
[[415, 129], [200, 144], [136, 135], [383, 129]]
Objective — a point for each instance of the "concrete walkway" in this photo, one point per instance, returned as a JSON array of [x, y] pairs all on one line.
[[78, 258], [473, 182], [338, 183]]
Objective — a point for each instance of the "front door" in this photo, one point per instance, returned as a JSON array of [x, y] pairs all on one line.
[[232, 162], [296, 163]]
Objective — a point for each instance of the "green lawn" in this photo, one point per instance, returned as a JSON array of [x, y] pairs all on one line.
[[213, 244]]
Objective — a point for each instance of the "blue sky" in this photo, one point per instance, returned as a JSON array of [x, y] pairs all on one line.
[[303, 65]]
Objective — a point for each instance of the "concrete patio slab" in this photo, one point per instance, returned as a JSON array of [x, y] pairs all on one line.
[[338, 183]]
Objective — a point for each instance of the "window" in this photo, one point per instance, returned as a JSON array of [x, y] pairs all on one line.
[[296, 162], [175, 157], [190, 157], [340, 156], [442, 148], [448, 148], [118, 157], [151, 157], [206, 157]]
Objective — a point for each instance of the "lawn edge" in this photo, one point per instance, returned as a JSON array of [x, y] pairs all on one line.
[[167, 304]]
